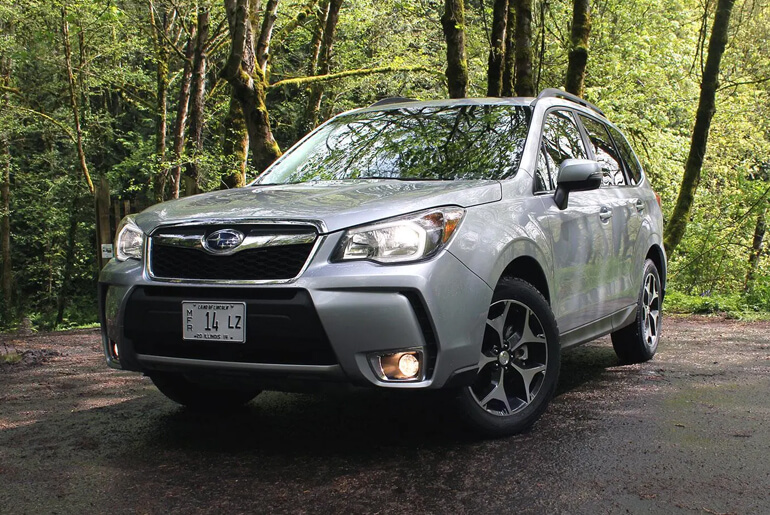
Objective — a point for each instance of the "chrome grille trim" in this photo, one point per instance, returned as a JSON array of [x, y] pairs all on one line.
[[195, 241], [192, 241]]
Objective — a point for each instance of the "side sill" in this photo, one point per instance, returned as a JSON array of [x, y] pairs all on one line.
[[599, 328]]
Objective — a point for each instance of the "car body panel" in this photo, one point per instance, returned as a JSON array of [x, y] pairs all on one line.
[[592, 267], [338, 204]]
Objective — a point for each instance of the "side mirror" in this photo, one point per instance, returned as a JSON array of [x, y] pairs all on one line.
[[576, 175]]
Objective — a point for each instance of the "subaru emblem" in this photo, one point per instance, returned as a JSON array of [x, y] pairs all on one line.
[[223, 240]]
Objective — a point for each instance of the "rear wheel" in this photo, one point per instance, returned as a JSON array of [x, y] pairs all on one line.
[[638, 342], [199, 396], [518, 363]]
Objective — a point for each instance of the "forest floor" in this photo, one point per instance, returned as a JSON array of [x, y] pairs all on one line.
[[688, 432]]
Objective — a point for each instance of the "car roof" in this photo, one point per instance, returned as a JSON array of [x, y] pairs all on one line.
[[400, 103], [551, 97]]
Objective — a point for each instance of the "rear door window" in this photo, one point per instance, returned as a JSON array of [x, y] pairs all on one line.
[[605, 152]]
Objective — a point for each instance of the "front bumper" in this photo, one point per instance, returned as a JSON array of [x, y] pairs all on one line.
[[323, 326]]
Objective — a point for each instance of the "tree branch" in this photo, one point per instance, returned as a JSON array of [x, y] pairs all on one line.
[[6, 89], [351, 73], [48, 118]]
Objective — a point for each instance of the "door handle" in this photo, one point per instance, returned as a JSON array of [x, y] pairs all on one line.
[[605, 214], [639, 205]]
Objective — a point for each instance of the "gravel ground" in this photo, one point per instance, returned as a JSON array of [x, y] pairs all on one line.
[[688, 432]]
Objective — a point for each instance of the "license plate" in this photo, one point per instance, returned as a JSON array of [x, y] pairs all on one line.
[[214, 321]]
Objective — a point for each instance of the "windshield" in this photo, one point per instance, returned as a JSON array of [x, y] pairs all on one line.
[[425, 143]]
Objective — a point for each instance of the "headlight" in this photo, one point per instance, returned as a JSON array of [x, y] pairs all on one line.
[[129, 240], [408, 238]]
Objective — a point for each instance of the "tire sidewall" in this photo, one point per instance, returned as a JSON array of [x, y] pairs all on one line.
[[649, 352], [495, 425]]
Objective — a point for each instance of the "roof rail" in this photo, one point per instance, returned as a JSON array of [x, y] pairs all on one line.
[[392, 100], [553, 92]]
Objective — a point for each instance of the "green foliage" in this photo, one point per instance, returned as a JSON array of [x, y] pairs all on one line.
[[644, 66]]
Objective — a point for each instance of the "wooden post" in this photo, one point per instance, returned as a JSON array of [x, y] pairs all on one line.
[[103, 229]]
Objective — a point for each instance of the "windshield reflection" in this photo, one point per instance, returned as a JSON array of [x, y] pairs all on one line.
[[427, 143]]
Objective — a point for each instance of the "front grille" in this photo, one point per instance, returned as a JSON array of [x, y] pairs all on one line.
[[282, 326], [273, 263], [280, 262]]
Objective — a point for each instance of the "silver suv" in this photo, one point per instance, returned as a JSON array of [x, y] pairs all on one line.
[[456, 245]]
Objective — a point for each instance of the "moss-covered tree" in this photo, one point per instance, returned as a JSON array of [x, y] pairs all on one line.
[[509, 61], [453, 23], [525, 86], [677, 224], [322, 64], [578, 54], [247, 78], [497, 38]]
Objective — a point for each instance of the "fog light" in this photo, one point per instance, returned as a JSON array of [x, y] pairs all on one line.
[[409, 365], [399, 366]]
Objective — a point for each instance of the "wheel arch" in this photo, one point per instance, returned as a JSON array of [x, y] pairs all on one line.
[[656, 254], [528, 269]]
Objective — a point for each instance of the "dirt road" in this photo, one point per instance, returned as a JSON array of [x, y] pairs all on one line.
[[688, 432]]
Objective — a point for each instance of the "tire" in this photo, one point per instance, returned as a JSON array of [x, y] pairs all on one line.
[[518, 365], [198, 396], [637, 342]]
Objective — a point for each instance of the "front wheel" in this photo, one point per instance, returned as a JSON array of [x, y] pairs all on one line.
[[638, 342], [518, 363], [199, 396]]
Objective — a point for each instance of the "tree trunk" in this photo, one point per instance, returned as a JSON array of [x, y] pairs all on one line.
[[525, 86], [5, 232], [249, 85], [197, 99], [453, 23], [69, 263], [5, 193], [73, 99], [162, 82], [578, 56], [509, 63], [263, 45], [756, 249], [235, 147], [497, 41], [324, 63], [181, 116], [307, 121], [706, 107]]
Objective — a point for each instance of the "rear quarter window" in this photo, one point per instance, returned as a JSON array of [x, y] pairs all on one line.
[[632, 163]]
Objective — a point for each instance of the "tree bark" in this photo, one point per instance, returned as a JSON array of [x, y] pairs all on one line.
[[181, 115], [73, 99], [453, 23], [162, 55], [249, 85], [197, 103], [69, 263], [525, 86], [235, 147], [263, 45], [756, 249], [324, 63], [495, 63], [677, 225], [5, 232], [578, 55], [5, 193], [306, 122], [509, 62]]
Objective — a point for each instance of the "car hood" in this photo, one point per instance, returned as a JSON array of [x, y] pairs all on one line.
[[335, 204]]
